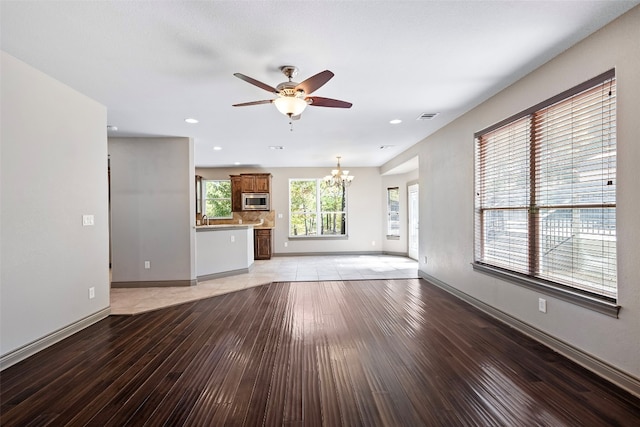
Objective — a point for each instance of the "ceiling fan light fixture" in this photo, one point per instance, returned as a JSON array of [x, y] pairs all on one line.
[[290, 105]]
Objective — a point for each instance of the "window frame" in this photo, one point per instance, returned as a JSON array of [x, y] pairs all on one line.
[[390, 212], [318, 213], [598, 302], [205, 199]]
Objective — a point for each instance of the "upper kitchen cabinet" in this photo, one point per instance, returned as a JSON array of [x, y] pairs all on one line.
[[248, 183], [256, 183], [236, 193]]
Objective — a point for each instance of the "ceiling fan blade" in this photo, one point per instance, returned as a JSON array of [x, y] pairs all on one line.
[[315, 82], [318, 101], [256, 82], [246, 104]]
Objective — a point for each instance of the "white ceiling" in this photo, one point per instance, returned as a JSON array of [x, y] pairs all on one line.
[[155, 63]]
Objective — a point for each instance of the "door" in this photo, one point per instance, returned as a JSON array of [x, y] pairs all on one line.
[[413, 213]]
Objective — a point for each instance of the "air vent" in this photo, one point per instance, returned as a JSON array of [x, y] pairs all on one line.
[[426, 116]]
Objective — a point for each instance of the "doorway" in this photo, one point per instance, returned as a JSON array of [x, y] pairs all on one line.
[[413, 213]]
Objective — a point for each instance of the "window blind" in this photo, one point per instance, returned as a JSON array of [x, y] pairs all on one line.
[[545, 191]]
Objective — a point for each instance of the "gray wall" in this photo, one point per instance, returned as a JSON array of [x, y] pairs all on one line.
[[446, 189], [152, 209], [363, 203], [53, 171]]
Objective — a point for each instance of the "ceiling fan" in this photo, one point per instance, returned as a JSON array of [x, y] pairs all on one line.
[[294, 97]]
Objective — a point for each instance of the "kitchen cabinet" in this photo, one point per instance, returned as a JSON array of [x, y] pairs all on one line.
[[262, 243], [236, 193], [248, 183], [256, 183], [262, 183]]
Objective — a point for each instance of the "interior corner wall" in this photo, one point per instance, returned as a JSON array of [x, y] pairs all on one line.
[[447, 189], [152, 209], [53, 171]]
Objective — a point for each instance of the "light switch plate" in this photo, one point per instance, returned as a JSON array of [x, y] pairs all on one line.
[[542, 305], [87, 220]]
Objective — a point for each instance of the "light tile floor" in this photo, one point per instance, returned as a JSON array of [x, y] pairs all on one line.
[[277, 269]]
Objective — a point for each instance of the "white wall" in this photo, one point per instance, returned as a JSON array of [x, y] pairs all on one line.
[[152, 209], [53, 171], [446, 188], [364, 199]]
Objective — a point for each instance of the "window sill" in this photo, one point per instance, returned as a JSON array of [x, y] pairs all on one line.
[[590, 302], [327, 237]]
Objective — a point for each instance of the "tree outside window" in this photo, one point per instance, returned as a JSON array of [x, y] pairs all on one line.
[[217, 195], [393, 211], [316, 208]]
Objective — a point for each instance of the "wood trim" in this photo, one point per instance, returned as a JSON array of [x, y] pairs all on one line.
[[48, 340], [593, 364], [154, 283]]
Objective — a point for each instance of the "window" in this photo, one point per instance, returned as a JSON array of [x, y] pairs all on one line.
[[393, 211], [316, 209], [546, 195], [217, 197]]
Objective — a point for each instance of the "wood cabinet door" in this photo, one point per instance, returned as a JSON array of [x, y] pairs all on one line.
[[262, 244], [236, 193], [248, 184], [262, 183]]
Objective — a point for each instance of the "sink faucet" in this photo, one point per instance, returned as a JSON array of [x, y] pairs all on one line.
[[204, 218]]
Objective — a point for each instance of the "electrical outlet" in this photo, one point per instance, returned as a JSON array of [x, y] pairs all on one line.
[[280, 216], [233, 239], [87, 220], [542, 305], [147, 265], [373, 243], [425, 259], [286, 244], [92, 292]]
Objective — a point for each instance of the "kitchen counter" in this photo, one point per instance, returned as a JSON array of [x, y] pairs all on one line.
[[231, 225], [214, 227]]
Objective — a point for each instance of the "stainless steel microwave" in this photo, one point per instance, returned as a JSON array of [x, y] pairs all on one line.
[[255, 201]]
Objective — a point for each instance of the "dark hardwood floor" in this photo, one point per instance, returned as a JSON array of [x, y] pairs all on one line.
[[354, 353]]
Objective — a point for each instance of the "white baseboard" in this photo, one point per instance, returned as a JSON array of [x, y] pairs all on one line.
[[32, 348], [595, 365]]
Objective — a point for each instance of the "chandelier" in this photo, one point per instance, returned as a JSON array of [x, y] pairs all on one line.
[[338, 177]]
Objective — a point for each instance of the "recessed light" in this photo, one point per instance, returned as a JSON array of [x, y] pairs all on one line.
[[395, 121], [276, 147], [191, 120], [236, 163], [111, 127], [384, 147], [217, 148]]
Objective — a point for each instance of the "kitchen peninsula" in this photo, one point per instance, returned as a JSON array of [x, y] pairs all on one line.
[[227, 247], [223, 250]]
